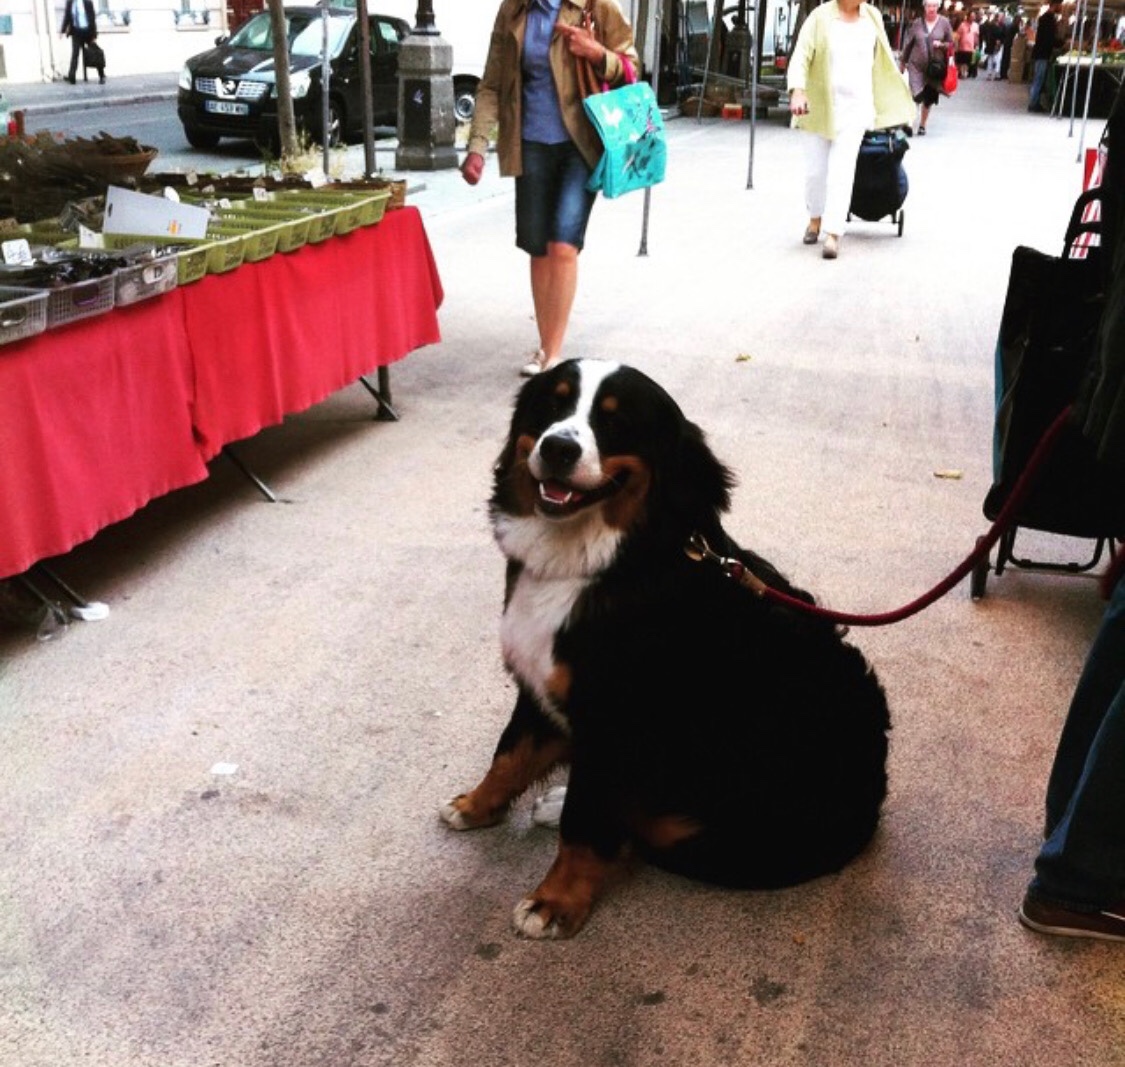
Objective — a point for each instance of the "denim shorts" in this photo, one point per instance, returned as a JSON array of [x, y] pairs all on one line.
[[552, 203]]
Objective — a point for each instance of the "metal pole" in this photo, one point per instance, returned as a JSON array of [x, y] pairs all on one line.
[[1079, 17], [1090, 81], [325, 75], [643, 250], [753, 96]]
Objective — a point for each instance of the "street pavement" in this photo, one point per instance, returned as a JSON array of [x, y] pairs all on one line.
[[339, 652]]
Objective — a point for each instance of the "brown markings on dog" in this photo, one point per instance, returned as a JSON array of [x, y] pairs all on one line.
[[566, 896], [511, 773], [525, 488], [626, 507], [558, 684], [666, 831]]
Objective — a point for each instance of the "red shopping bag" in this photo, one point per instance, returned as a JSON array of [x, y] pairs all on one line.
[[949, 86]]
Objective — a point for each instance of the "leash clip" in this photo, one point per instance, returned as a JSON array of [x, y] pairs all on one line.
[[697, 549]]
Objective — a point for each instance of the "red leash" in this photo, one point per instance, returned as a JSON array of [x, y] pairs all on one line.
[[698, 549]]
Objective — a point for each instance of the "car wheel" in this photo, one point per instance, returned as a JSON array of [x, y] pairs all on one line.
[[198, 138], [464, 99]]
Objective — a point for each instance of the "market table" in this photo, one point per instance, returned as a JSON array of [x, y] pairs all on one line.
[[101, 416]]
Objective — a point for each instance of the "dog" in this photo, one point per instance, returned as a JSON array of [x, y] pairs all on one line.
[[711, 732]]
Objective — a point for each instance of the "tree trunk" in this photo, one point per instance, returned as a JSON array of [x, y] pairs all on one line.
[[286, 122]]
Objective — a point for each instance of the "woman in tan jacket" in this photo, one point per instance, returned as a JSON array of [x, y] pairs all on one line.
[[530, 93]]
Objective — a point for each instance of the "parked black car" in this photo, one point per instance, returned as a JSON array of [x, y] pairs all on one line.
[[230, 90]]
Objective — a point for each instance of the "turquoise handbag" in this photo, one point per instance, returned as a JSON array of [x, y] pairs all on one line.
[[629, 122]]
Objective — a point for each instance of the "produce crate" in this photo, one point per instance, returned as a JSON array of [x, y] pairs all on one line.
[[259, 237], [372, 205], [191, 255], [150, 276], [293, 226], [225, 251], [23, 313], [79, 300], [346, 212]]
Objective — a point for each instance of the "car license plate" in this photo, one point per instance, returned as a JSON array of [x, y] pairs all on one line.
[[226, 107]]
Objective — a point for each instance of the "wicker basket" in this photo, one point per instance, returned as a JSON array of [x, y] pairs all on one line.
[[115, 168]]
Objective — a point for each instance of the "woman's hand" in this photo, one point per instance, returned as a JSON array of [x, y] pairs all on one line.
[[583, 44], [472, 168], [798, 102]]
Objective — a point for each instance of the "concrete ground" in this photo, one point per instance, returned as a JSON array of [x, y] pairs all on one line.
[[339, 651]]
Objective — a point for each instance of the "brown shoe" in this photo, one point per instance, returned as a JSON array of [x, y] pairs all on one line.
[[812, 235], [831, 246], [1044, 918]]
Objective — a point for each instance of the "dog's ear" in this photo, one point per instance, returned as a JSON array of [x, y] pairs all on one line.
[[702, 486]]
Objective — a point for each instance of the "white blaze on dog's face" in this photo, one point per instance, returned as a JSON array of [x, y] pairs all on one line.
[[569, 484]]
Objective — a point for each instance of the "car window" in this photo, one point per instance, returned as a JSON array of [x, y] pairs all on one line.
[[310, 41], [384, 37], [258, 32]]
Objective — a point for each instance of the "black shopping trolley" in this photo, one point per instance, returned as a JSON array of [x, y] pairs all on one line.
[[1046, 342], [880, 186]]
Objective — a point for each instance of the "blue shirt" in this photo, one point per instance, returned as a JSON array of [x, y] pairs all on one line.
[[542, 119]]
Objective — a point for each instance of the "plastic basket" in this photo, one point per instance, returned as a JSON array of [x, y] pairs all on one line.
[[373, 206], [344, 211], [79, 300], [23, 313], [151, 277], [191, 255], [225, 251], [293, 227], [259, 238]]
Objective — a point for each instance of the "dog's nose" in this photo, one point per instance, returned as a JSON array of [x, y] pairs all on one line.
[[559, 452]]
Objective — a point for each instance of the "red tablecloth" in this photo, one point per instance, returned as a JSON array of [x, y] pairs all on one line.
[[284, 335], [99, 417]]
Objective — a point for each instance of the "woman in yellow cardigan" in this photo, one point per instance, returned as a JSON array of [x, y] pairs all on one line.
[[843, 80]]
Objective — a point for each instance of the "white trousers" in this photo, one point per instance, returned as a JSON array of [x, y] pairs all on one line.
[[829, 176]]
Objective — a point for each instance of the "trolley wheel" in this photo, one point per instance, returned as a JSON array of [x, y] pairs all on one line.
[[901, 215], [979, 577]]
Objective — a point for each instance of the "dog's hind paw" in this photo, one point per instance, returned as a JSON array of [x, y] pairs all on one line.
[[547, 809]]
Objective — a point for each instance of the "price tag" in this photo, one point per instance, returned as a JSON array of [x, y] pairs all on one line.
[[88, 238], [261, 194], [16, 252]]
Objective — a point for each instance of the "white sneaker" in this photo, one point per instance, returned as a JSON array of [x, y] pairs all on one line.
[[533, 366]]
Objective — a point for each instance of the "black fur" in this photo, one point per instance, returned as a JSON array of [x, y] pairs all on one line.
[[757, 726]]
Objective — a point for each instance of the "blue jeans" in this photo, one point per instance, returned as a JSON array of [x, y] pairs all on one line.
[[1038, 80], [1081, 865], [552, 202]]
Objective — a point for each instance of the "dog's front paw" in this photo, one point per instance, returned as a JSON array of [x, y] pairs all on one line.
[[460, 814], [546, 921]]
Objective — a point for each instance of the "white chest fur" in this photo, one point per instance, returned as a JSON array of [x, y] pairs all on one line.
[[536, 611]]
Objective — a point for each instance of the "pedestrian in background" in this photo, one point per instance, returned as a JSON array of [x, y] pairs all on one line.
[[842, 82], [80, 25], [968, 39], [531, 92], [930, 35], [992, 45], [1048, 41]]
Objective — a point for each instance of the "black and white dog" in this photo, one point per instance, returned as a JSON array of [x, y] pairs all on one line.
[[718, 734]]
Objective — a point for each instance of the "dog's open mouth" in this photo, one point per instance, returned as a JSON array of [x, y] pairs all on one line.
[[558, 499]]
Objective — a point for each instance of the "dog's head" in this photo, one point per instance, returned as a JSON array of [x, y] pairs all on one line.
[[597, 453]]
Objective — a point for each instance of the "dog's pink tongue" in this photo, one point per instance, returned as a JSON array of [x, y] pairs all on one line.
[[556, 493]]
